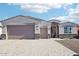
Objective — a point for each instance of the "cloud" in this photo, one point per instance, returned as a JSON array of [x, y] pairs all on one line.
[[73, 13], [41, 7], [39, 1], [38, 7], [64, 18]]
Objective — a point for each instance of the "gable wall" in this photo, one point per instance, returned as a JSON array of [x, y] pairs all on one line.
[[19, 21]]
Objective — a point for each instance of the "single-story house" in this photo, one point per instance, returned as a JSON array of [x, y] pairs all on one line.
[[27, 27]]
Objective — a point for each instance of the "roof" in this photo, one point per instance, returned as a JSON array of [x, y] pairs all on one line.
[[68, 23], [30, 17], [54, 20]]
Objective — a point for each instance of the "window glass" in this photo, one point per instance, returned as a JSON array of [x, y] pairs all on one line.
[[67, 29]]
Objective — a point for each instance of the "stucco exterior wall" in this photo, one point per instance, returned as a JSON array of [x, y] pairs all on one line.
[[19, 21], [73, 33], [61, 30], [0, 28], [74, 30], [42, 24], [49, 29], [23, 21], [37, 28]]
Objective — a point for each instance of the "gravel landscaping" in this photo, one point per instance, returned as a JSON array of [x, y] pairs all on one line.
[[72, 44]]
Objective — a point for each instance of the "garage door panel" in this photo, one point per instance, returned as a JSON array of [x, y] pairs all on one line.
[[21, 31], [44, 33]]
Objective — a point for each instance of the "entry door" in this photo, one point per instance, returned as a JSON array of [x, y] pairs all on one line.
[[53, 32]]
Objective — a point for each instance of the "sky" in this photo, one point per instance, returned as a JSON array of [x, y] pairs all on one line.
[[45, 11]]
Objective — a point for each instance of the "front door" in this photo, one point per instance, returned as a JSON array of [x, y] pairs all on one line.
[[54, 30]]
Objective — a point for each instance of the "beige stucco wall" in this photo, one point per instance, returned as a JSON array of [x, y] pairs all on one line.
[[61, 30], [0, 28], [22, 21], [37, 28], [45, 24], [19, 21]]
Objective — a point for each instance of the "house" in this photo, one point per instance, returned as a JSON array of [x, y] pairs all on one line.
[[27, 27], [67, 30], [24, 27]]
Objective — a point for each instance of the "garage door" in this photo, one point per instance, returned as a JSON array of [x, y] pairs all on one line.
[[44, 33], [21, 31]]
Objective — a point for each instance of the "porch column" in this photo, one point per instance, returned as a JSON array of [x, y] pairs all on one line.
[[6, 33], [49, 30]]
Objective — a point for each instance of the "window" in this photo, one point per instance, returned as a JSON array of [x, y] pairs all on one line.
[[67, 29]]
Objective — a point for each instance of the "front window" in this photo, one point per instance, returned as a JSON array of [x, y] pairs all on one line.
[[67, 29], [70, 29]]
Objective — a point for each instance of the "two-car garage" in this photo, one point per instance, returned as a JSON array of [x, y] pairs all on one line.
[[25, 32], [21, 31], [23, 27]]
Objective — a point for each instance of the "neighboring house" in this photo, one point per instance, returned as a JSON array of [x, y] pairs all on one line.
[[67, 30], [27, 27]]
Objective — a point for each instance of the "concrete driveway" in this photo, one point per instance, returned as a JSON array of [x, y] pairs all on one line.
[[41, 47]]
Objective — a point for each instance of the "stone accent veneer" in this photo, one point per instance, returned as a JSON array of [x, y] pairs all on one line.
[[37, 36], [49, 35], [67, 35]]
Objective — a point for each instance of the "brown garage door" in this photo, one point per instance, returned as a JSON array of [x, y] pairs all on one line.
[[21, 31], [44, 33]]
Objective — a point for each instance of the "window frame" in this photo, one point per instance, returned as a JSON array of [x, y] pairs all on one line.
[[67, 29]]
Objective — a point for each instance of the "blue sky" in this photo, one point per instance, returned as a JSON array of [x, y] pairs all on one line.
[[62, 12]]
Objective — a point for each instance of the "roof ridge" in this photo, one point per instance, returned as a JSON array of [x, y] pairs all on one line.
[[23, 16]]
